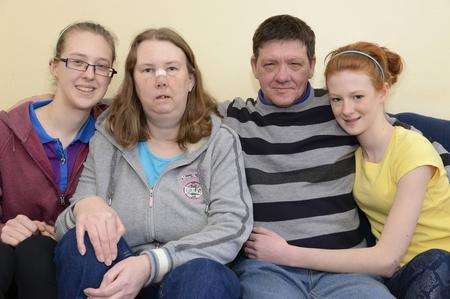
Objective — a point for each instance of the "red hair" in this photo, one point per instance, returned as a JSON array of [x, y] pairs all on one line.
[[390, 62]]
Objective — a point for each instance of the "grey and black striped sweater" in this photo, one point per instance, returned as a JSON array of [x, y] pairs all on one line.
[[300, 170]]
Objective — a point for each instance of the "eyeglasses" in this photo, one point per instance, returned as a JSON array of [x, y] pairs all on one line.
[[80, 65]]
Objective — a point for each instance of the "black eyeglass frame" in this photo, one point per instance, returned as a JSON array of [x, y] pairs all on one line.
[[112, 71]]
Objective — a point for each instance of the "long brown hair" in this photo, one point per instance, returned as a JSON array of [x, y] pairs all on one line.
[[127, 120]]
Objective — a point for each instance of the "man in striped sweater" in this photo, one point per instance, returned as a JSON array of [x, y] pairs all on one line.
[[300, 169]]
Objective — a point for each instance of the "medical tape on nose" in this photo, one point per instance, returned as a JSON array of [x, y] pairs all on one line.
[[160, 72]]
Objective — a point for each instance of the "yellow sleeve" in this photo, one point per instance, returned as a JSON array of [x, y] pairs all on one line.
[[414, 151]]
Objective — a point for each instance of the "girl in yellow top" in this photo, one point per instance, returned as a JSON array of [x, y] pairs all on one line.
[[400, 183]]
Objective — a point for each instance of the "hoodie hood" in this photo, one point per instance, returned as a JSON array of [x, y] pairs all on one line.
[[18, 119]]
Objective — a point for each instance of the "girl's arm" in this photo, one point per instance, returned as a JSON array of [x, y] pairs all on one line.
[[381, 259]]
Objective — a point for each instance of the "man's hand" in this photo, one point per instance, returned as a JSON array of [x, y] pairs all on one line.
[[103, 225], [18, 229], [124, 280]]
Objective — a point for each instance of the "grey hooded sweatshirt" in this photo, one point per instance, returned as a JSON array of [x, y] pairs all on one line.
[[200, 207]]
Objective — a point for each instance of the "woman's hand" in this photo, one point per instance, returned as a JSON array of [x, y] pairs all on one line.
[[124, 280], [266, 245], [18, 229], [103, 225], [45, 229]]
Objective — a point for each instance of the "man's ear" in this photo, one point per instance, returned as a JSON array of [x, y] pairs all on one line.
[[312, 67], [253, 62]]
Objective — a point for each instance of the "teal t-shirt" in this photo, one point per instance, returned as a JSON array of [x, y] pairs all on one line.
[[153, 165]]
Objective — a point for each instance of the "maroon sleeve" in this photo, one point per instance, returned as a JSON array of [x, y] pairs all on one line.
[[1, 203]]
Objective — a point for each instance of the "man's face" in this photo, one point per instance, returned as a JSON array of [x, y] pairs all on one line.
[[283, 70]]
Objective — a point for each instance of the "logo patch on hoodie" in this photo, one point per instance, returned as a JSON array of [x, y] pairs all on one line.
[[192, 188]]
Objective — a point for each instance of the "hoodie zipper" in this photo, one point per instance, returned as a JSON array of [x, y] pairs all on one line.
[[151, 201]]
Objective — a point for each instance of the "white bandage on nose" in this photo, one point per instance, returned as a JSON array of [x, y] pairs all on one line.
[[160, 72]]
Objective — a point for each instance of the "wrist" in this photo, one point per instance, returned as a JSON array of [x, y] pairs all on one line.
[[79, 206], [147, 266], [293, 256], [286, 255], [75, 209]]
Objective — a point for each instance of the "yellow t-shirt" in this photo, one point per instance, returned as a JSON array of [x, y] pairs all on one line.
[[376, 185]]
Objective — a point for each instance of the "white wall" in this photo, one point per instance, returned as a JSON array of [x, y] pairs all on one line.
[[220, 33]]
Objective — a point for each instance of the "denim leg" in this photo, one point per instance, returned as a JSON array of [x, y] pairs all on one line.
[[200, 278], [76, 272], [261, 280], [349, 286], [426, 276]]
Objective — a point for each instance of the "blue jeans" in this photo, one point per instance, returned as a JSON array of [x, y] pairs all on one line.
[[426, 276], [198, 278], [266, 280]]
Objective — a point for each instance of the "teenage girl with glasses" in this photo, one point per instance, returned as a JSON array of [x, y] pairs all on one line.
[[42, 149]]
